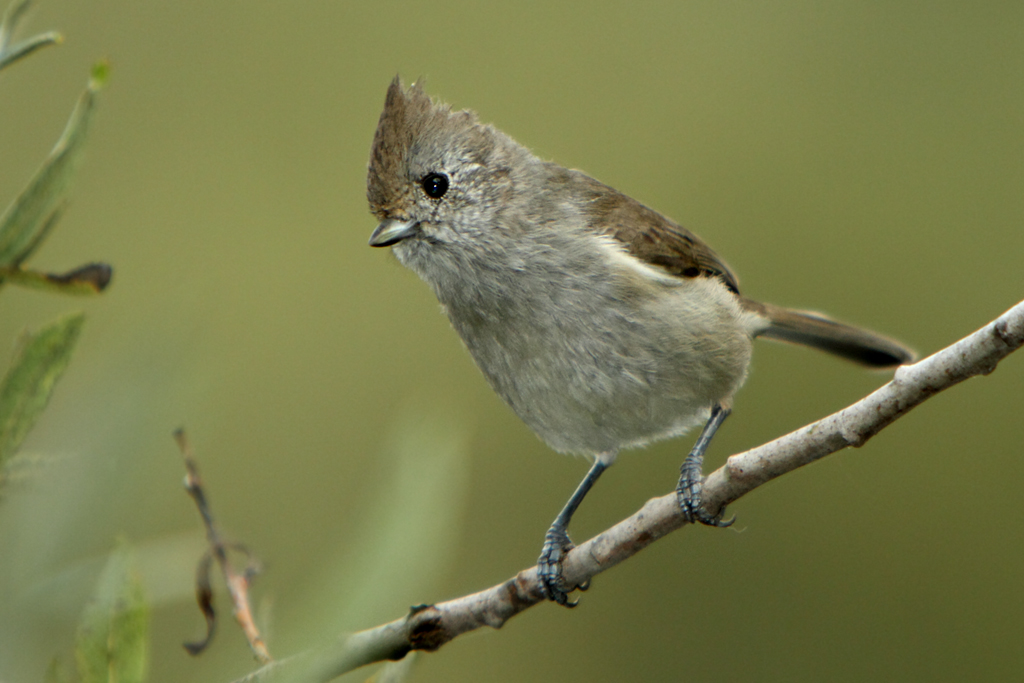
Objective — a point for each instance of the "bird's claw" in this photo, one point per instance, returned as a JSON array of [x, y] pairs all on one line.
[[549, 568], [690, 492]]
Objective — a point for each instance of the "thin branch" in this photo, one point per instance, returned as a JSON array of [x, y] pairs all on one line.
[[428, 627], [237, 583]]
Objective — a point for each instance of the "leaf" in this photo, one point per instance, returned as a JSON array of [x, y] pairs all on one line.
[[204, 596], [9, 55], [12, 17], [92, 278], [27, 47], [33, 213], [112, 645], [26, 388]]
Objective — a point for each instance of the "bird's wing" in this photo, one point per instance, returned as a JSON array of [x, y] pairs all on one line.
[[648, 235]]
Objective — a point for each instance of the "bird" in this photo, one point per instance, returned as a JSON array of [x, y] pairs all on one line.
[[602, 323]]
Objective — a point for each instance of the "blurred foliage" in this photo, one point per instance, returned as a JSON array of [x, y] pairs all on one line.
[[10, 53], [56, 673], [31, 217], [113, 636], [39, 362], [43, 355]]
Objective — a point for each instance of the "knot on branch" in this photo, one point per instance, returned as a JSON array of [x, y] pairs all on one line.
[[1013, 338], [852, 432], [425, 628]]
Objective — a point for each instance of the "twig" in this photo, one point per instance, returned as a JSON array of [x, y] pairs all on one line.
[[238, 584], [428, 627]]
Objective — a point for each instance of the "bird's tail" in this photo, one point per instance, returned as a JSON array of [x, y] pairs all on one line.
[[821, 332]]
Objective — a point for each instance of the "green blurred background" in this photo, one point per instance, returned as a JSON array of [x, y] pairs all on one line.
[[860, 158]]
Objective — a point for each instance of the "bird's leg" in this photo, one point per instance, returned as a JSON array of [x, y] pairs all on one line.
[[557, 543], [691, 481]]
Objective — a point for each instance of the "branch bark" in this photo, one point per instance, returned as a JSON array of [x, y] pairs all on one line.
[[428, 627]]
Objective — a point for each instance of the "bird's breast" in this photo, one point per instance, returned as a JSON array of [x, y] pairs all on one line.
[[596, 357]]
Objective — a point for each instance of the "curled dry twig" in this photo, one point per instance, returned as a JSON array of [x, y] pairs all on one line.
[[237, 583]]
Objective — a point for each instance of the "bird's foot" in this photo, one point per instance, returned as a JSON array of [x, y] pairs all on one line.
[[690, 493], [549, 567]]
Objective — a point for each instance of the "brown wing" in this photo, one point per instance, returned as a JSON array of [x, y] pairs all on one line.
[[648, 235]]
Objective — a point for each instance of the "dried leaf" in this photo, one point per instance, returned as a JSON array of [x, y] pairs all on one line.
[[204, 597], [92, 278]]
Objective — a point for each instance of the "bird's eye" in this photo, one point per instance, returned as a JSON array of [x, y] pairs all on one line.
[[435, 185]]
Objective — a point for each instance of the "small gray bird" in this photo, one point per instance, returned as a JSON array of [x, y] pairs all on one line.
[[603, 324]]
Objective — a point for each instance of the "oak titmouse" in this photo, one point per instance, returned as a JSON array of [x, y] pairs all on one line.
[[602, 323]]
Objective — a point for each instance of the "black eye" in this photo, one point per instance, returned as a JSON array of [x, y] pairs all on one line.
[[435, 185]]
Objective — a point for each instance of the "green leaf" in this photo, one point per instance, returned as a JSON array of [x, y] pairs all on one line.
[[33, 213], [26, 388], [9, 54], [27, 47], [112, 645]]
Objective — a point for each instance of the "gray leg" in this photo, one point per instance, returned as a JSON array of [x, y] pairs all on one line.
[[691, 480], [557, 543]]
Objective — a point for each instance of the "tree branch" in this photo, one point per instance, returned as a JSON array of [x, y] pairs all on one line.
[[428, 627]]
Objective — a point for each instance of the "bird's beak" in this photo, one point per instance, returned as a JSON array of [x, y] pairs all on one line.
[[391, 231]]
